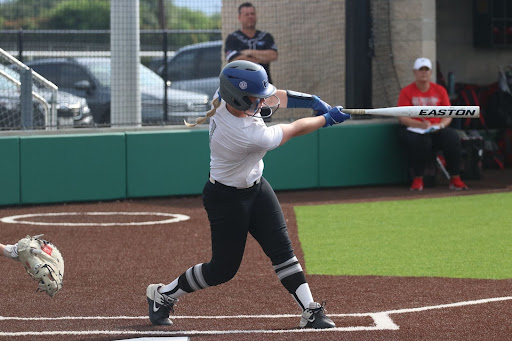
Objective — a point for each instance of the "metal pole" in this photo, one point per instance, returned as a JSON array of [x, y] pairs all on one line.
[[27, 109], [20, 45], [53, 110], [166, 99], [125, 63], [163, 27]]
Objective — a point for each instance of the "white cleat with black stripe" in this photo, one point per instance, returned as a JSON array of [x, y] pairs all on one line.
[[159, 306], [314, 317]]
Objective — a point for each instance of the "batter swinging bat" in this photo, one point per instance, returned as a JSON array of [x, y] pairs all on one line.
[[421, 111]]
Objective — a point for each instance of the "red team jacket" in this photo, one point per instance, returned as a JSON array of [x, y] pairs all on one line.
[[436, 95]]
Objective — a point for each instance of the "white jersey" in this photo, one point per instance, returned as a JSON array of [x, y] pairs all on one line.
[[237, 147]]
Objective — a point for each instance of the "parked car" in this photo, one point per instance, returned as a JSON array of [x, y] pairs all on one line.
[[90, 78], [72, 111], [194, 67]]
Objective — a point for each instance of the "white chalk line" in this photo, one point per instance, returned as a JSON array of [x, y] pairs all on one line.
[[187, 332], [449, 305], [382, 321], [16, 218]]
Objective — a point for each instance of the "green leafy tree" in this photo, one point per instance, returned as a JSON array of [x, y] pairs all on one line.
[[79, 15], [185, 19], [95, 14], [25, 14], [148, 14]]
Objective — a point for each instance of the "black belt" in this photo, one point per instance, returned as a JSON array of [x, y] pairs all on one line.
[[213, 181]]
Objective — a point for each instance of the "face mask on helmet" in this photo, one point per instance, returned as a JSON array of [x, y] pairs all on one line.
[[265, 107]]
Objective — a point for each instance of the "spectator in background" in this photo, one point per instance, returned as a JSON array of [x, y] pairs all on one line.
[[423, 136], [250, 44]]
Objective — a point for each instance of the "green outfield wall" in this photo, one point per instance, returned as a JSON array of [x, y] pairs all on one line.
[[166, 163], [90, 167], [10, 170], [72, 168]]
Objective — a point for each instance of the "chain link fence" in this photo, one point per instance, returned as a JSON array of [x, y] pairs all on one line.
[[70, 57], [27, 101], [69, 43]]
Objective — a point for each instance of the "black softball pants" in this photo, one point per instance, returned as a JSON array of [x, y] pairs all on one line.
[[233, 213], [419, 148]]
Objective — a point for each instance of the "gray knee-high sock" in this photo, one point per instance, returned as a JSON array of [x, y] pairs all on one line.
[[293, 279], [190, 281]]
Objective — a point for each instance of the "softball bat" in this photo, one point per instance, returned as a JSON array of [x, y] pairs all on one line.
[[421, 111]]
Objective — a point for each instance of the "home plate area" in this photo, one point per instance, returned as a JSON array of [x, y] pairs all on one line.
[[183, 325], [158, 338], [189, 326]]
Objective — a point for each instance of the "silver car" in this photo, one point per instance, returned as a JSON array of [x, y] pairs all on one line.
[[194, 67], [72, 111], [90, 78]]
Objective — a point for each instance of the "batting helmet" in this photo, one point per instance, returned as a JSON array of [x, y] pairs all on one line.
[[241, 79]]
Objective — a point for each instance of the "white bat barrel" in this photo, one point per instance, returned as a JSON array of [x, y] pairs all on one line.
[[421, 111]]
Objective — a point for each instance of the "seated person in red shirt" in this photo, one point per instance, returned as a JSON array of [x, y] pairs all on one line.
[[422, 136]]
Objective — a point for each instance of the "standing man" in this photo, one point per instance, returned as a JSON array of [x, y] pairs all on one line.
[[423, 136], [250, 44]]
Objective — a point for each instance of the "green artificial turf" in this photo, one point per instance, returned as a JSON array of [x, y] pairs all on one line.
[[460, 237]]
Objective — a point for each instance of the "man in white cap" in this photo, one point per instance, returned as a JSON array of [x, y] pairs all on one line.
[[423, 136]]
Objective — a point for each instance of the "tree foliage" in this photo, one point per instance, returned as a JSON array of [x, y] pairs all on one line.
[[74, 15], [95, 14]]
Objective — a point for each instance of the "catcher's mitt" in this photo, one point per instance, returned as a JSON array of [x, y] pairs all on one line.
[[43, 261]]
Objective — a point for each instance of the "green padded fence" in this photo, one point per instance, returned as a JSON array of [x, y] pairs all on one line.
[[90, 167], [294, 165], [72, 168], [361, 154], [10, 170], [167, 163]]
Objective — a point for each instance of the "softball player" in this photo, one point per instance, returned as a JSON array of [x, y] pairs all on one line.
[[238, 199]]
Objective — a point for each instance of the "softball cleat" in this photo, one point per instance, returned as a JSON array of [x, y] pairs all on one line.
[[159, 306], [314, 317], [457, 184], [417, 184]]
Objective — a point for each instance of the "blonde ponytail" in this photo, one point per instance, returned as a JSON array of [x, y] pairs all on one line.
[[210, 113]]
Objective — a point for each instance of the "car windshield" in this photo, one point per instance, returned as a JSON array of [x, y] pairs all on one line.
[[101, 70]]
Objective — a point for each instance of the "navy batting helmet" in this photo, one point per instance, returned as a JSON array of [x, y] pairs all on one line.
[[241, 79]]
